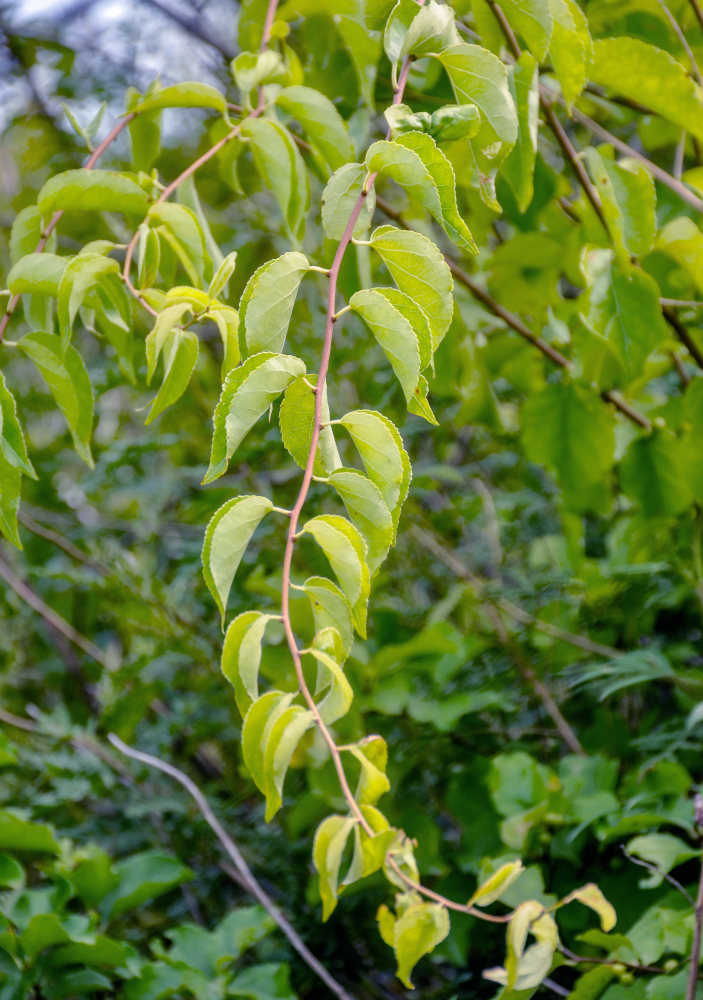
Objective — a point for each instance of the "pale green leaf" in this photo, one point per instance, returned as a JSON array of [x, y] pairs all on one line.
[[399, 20], [330, 609], [628, 197], [148, 256], [12, 445], [571, 49], [64, 372], [519, 166], [184, 95], [380, 446], [296, 417], [682, 240], [241, 656], [497, 883], [268, 299], [180, 358], [328, 847], [592, 897], [367, 510], [321, 122], [163, 327], [247, 393], [394, 334], [339, 198], [10, 480], [346, 551], [432, 30], [282, 169], [478, 77], [37, 273], [227, 321], [632, 68], [414, 933], [651, 474], [26, 233], [284, 737], [258, 723], [419, 270], [92, 190], [566, 427], [180, 226], [532, 19], [222, 275], [372, 755], [455, 121], [226, 537], [79, 278], [252, 69], [337, 701]]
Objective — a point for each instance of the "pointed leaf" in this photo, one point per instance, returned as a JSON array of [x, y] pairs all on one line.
[[92, 190], [372, 754], [69, 384], [328, 847], [330, 609], [226, 537], [590, 895], [346, 551], [296, 417], [12, 445], [628, 199], [339, 197], [284, 737], [268, 299], [184, 95], [247, 393], [165, 323], [496, 884], [415, 933], [321, 122], [222, 275], [241, 656], [478, 77], [79, 278], [519, 166], [380, 446], [282, 169], [180, 359], [367, 510], [394, 334], [339, 697], [184, 234], [258, 723], [571, 49]]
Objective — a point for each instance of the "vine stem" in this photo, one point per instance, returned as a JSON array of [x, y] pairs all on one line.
[[698, 910], [53, 222], [293, 534]]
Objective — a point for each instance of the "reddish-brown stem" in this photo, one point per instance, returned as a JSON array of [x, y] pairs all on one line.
[[268, 24], [53, 222]]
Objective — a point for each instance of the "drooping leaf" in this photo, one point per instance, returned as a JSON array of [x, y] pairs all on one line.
[[328, 847], [247, 393], [258, 723], [628, 199], [532, 20], [282, 169], [339, 197], [160, 334], [10, 485], [519, 166], [79, 278], [226, 537], [180, 358], [241, 656], [592, 897], [322, 123], [393, 333], [222, 275], [268, 299], [181, 229], [380, 446], [372, 754], [192, 94], [496, 884], [419, 270], [331, 679], [92, 190], [632, 68], [367, 510], [346, 551], [330, 609], [296, 417], [413, 932], [69, 384], [571, 49], [12, 445], [478, 77], [284, 736]]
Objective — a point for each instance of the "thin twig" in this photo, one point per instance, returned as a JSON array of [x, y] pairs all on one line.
[[591, 960], [51, 617], [678, 31], [698, 926], [656, 870], [63, 543], [246, 876]]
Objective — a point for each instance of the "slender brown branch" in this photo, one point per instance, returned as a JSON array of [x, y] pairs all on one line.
[[697, 11], [51, 617], [698, 925], [573, 957], [63, 543], [246, 877], [683, 335], [53, 222], [656, 870]]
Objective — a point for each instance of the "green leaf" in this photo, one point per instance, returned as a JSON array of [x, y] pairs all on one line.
[[682, 240], [592, 897], [478, 77], [337, 702], [180, 359], [346, 551], [167, 320], [419, 270], [494, 886], [10, 485], [20, 835], [12, 446], [11, 872], [571, 49], [663, 850], [148, 256], [227, 321], [533, 20], [182, 231], [81, 276], [416, 163], [413, 933], [644, 73], [284, 737], [247, 393], [394, 334], [330, 609], [566, 427], [651, 474], [624, 308], [455, 121], [92, 190], [519, 166], [143, 877], [252, 69], [258, 723], [69, 384], [526, 968], [397, 26], [26, 233], [282, 169], [37, 272], [296, 417], [432, 30], [321, 122], [367, 510], [372, 754], [328, 847], [226, 537], [338, 200], [222, 275], [184, 95], [241, 656], [380, 446], [628, 198], [268, 299]]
